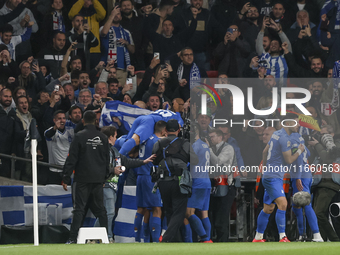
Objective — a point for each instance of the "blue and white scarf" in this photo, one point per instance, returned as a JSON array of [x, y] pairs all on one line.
[[195, 75], [58, 22], [116, 48], [329, 5]]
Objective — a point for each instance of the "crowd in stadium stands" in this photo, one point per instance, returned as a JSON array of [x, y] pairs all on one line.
[[60, 58]]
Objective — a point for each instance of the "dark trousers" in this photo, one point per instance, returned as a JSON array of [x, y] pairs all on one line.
[[175, 205], [322, 200], [90, 194], [219, 211]]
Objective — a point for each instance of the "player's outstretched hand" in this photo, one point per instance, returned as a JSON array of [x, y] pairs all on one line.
[[149, 159]]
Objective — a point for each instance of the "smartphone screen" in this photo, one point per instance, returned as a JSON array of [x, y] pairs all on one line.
[[156, 54]]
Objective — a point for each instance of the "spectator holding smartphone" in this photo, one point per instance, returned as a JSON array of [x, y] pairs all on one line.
[[85, 39]]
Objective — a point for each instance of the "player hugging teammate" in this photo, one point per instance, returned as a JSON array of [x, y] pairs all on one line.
[[285, 148]]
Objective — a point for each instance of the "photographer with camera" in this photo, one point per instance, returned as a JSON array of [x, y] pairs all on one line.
[[326, 179], [172, 156]]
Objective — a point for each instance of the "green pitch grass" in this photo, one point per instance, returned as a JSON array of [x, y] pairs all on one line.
[[293, 248]]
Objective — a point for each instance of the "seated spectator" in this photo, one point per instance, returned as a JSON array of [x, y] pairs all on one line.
[[53, 21], [93, 12], [232, 52], [52, 56]]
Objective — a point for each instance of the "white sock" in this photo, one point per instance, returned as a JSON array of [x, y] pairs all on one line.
[[258, 236], [282, 235], [317, 236], [163, 232]]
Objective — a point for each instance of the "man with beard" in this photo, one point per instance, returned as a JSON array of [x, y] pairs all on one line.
[[118, 44], [22, 125], [250, 24], [58, 139], [320, 100], [75, 115], [274, 63], [7, 122], [84, 83], [134, 23], [85, 39], [316, 69], [53, 56], [93, 12]]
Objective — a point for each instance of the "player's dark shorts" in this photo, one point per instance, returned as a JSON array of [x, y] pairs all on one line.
[[273, 189], [199, 199], [144, 195]]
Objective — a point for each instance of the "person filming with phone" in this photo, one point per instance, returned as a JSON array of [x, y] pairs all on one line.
[[85, 39]]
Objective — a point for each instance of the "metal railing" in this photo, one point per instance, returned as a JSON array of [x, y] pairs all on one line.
[[15, 158]]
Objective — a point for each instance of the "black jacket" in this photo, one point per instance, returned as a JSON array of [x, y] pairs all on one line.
[[7, 124], [52, 58], [174, 163], [89, 156], [233, 57]]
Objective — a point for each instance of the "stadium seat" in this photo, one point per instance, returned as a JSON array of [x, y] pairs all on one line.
[[212, 74], [92, 234]]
